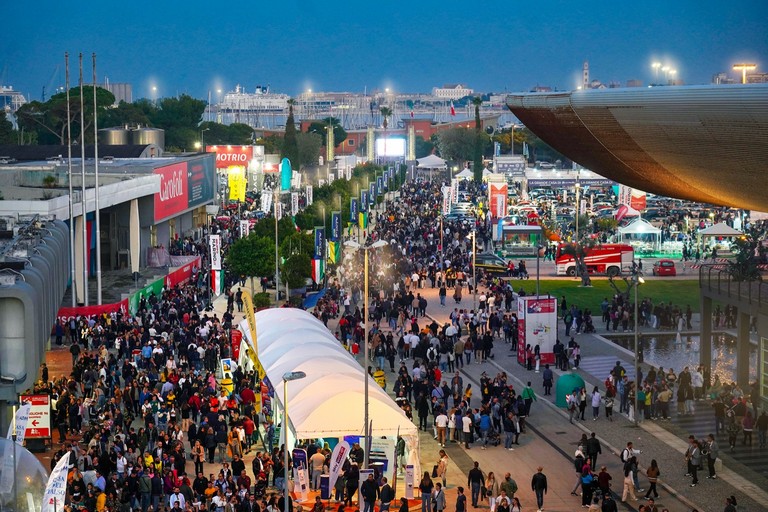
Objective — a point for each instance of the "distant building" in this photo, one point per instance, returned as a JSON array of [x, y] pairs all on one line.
[[452, 91], [757, 78], [122, 91], [634, 83]]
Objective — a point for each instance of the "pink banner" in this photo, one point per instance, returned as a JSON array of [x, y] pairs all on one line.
[[66, 313]]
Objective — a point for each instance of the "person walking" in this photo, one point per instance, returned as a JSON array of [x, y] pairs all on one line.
[[548, 377], [425, 487], [593, 448], [491, 490], [438, 498], [509, 486], [653, 473], [539, 487], [369, 491], [596, 400], [629, 481], [529, 396], [474, 482]]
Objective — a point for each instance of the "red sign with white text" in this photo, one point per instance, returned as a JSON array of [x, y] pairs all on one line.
[[39, 424], [172, 197], [227, 156]]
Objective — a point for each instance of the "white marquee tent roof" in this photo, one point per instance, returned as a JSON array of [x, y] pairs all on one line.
[[431, 162], [721, 229], [329, 402], [639, 227], [466, 173]]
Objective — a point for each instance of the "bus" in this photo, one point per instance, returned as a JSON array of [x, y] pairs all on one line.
[[607, 259]]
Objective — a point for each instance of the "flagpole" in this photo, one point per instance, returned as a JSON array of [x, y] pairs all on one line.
[[69, 180], [15, 483], [96, 188], [83, 201]]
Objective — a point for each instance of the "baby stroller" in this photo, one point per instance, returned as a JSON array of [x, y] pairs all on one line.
[[494, 439], [588, 325]]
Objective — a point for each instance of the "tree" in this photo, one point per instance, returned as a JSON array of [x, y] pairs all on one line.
[[49, 119], [579, 252], [320, 128], [7, 134], [456, 143], [252, 256], [136, 113], [297, 243], [308, 145], [749, 251], [180, 118], [423, 147], [386, 113], [477, 153], [235, 133], [290, 144], [296, 270]]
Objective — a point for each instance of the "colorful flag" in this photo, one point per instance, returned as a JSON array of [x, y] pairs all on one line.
[[363, 220], [217, 282], [453, 110], [334, 252], [318, 270]]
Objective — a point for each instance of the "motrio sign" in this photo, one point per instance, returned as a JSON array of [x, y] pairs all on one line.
[[227, 156]]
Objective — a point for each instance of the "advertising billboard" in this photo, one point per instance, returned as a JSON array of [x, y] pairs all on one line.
[[537, 326], [227, 156], [390, 146], [39, 423], [183, 185], [497, 199]]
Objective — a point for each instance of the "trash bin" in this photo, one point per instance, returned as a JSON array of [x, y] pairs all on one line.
[[325, 487]]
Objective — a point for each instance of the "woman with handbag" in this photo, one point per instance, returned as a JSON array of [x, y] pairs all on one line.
[[491, 490]]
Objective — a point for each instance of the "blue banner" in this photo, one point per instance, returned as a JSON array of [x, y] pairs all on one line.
[[372, 194], [381, 184], [335, 226], [353, 210], [285, 174], [320, 242], [363, 201]]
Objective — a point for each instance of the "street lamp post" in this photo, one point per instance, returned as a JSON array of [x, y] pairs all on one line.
[[277, 257], [474, 267], [744, 68], [202, 139], [287, 377], [637, 280], [365, 248], [656, 66], [539, 250], [578, 209]]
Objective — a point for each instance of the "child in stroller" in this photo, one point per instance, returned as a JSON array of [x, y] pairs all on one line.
[[589, 327]]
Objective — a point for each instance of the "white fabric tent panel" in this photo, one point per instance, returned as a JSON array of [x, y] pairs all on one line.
[[639, 227], [720, 229]]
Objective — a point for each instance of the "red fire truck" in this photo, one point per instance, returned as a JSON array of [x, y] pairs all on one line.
[[609, 259]]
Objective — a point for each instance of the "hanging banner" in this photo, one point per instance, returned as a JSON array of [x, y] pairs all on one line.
[[56, 488], [380, 184], [319, 242], [335, 226], [331, 177], [454, 190], [353, 210], [294, 203], [250, 317], [372, 193], [363, 201], [339, 455], [446, 200], [237, 183], [279, 208], [215, 244], [266, 200], [310, 198], [245, 228], [227, 369]]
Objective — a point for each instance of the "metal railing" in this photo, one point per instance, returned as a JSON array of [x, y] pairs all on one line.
[[718, 278]]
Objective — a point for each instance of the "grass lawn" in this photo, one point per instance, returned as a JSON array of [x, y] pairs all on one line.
[[680, 292]]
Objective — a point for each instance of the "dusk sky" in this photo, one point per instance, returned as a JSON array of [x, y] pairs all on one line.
[[195, 47]]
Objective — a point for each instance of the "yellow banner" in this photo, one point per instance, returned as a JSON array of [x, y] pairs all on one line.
[[237, 183], [251, 319]]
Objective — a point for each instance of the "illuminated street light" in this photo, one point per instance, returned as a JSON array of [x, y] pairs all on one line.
[[744, 67], [656, 66], [375, 245]]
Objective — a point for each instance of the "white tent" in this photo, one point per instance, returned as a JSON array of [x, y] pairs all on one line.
[[431, 162], [465, 174], [486, 172], [329, 401], [721, 229], [641, 231]]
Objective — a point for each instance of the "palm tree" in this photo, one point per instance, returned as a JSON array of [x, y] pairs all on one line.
[[386, 113]]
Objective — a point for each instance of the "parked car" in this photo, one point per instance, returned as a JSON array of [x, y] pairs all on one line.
[[664, 268], [491, 263]]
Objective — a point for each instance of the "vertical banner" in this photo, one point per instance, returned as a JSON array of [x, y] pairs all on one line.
[[279, 208], [446, 200], [21, 420], [299, 458], [331, 177], [372, 193], [237, 183], [310, 198], [383, 182], [409, 479], [339, 455], [266, 200], [353, 210], [454, 190], [319, 242], [335, 226], [215, 244], [56, 488], [294, 203], [245, 228], [363, 201]]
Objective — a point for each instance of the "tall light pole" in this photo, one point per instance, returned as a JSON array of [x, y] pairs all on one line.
[[366, 377], [539, 250], [202, 139], [578, 207], [287, 377], [637, 280], [474, 267], [744, 67], [277, 257], [656, 66]]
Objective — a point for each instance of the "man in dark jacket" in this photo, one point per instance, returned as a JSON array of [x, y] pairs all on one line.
[[593, 449], [369, 491], [539, 486]]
